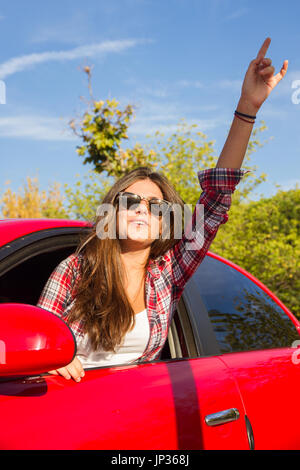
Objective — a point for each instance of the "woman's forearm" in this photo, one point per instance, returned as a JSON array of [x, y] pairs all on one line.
[[236, 144]]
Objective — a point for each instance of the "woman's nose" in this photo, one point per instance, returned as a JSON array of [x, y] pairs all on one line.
[[142, 207]]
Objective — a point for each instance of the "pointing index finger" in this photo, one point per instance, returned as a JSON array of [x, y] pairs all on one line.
[[262, 51]]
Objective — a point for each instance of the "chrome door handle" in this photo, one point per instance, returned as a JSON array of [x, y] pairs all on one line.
[[222, 417]]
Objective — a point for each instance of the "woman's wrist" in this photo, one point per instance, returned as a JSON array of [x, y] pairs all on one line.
[[245, 107]]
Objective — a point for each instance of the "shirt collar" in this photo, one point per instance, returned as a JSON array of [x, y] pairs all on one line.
[[155, 266]]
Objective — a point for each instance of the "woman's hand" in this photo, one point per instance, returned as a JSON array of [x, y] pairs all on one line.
[[259, 81], [74, 370]]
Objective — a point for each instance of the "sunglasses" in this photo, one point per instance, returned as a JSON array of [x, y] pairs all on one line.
[[130, 201]]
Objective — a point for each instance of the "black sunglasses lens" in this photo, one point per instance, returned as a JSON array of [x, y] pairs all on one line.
[[158, 208], [127, 200]]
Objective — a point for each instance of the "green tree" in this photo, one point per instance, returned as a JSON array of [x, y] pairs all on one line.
[[182, 154], [85, 196], [30, 202], [102, 129]]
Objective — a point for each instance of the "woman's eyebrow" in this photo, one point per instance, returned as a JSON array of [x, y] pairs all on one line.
[[149, 197]]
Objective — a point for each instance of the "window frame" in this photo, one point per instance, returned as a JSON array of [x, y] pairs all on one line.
[[215, 348], [13, 252]]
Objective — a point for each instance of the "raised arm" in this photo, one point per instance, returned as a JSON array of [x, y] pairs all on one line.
[[219, 183], [258, 83]]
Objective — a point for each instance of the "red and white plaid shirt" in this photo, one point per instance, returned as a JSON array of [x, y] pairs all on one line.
[[167, 275]]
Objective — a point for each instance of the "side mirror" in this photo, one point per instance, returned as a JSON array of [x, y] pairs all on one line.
[[33, 340]]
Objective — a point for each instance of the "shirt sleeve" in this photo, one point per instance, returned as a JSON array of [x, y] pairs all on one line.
[[210, 212], [57, 293]]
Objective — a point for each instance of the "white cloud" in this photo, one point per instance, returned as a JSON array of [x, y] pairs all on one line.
[[230, 84], [17, 64], [236, 14], [36, 127], [161, 89], [289, 184], [276, 112], [156, 92], [151, 116], [71, 30], [189, 84], [148, 120], [144, 126]]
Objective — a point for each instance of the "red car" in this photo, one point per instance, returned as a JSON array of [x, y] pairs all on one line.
[[228, 377]]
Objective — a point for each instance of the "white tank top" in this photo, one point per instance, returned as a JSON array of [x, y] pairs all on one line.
[[133, 346]]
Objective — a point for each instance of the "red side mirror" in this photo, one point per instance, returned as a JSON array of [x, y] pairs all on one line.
[[33, 340]]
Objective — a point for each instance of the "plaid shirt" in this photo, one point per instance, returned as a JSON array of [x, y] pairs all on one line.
[[167, 275]]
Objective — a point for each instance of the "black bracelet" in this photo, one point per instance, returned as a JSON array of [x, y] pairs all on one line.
[[244, 115]]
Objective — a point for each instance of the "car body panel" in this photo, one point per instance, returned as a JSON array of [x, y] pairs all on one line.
[[149, 406], [12, 229], [269, 382]]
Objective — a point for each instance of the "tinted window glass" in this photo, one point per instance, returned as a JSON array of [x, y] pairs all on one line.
[[243, 316]]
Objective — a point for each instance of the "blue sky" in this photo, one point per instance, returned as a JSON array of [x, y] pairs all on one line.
[[173, 59]]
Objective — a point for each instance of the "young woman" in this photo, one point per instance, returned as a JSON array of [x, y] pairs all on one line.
[[118, 293]]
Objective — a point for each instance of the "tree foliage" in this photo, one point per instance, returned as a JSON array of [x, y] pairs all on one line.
[[102, 129], [84, 197], [30, 202], [182, 154]]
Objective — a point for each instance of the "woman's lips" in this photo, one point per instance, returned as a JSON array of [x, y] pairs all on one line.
[[139, 222]]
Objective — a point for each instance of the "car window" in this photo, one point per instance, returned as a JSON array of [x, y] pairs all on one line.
[[243, 316], [23, 281]]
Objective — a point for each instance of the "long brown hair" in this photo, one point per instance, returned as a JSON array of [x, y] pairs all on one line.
[[100, 299]]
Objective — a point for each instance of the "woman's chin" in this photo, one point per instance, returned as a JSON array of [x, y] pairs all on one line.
[[137, 240], [139, 233], [136, 235]]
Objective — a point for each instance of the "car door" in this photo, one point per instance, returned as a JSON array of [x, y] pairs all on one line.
[[166, 404], [256, 338], [159, 405]]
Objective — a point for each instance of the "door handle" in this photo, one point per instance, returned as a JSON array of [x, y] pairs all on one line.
[[222, 417]]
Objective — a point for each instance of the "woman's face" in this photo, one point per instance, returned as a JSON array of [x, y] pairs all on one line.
[[139, 224]]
